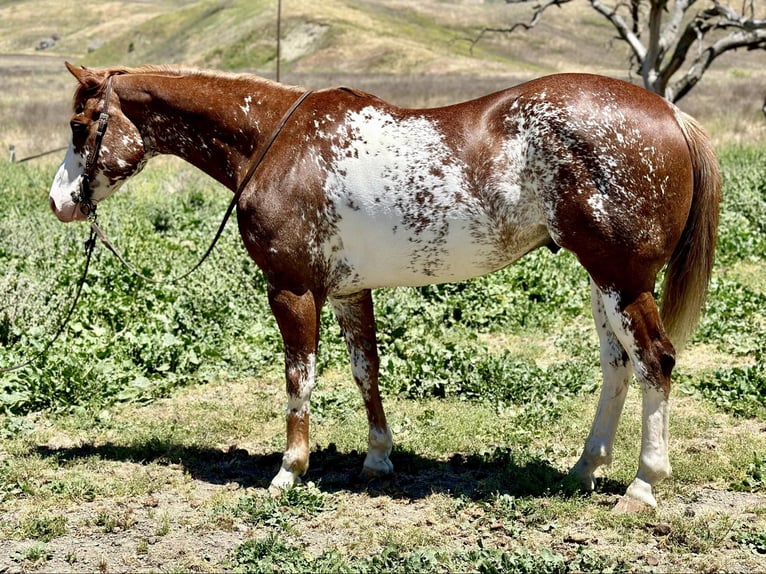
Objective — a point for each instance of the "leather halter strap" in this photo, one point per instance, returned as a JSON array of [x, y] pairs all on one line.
[[252, 167], [84, 195]]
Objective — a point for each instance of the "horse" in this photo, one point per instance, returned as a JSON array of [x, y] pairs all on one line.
[[357, 194]]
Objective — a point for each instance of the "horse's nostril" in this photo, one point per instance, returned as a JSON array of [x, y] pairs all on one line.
[[52, 204]]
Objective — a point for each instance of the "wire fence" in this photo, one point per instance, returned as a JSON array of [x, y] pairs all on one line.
[[12, 154]]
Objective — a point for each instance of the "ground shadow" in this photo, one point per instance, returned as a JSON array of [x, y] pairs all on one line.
[[502, 471]]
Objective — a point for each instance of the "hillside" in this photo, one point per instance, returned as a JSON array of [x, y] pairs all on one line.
[[391, 36], [413, 53]]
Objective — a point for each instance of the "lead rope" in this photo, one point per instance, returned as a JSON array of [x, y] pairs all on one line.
[[258, 159], [97, 232], [90, 244]]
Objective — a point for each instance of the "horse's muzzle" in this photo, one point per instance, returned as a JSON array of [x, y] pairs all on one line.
[[69, 211]]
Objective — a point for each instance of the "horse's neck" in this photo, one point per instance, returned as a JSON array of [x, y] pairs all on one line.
[[216, 123]]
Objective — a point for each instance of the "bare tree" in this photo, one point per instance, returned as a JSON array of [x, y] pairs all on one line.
[[671, 45]]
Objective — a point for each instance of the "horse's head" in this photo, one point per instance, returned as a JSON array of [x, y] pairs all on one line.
[[106, 147]]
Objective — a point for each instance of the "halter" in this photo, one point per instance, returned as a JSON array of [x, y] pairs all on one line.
[[84, 193], [83, 197]]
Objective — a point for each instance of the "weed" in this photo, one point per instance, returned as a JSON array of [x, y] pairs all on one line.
[[35, 554], [265, 510], [755, 481], [756, 541], [164, 526], [78, 488], [106, 521], [268, 554], [44, 527], [698, 535], [142, 547], [738, 390], [109, 522]]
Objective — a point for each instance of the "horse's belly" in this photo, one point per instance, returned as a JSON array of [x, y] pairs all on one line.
[[384, 248]]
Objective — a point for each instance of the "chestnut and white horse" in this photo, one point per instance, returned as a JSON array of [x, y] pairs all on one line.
[[357, 194]]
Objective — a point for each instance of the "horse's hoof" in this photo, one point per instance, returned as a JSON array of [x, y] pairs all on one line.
[[576, 482], [629, 505], [586, 481], [282, 481], [377, 468]]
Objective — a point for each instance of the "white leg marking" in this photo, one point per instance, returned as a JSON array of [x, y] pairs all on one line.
[[379, 447], [297, 406], [617, 372], [284, 479], [654, 464], [380, 441]]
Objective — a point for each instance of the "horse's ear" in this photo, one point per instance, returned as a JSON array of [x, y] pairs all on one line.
[[87, 78]]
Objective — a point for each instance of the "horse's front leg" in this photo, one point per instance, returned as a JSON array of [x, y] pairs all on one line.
[[298, 318], [356, 319]]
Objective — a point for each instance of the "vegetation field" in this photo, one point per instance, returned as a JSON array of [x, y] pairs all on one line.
[[146, 437]]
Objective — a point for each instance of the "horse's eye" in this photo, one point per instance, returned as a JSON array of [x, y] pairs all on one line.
[[78, 128]]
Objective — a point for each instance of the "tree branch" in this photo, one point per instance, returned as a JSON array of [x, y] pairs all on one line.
[[752, 40], [748, 33], [536, 17], [625, 32], [739, 30]]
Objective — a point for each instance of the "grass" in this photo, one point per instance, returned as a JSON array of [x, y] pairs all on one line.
[[161, 412], [496, 497]]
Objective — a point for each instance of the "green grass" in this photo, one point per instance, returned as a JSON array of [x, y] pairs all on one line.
[[134, 341], [156, 390]]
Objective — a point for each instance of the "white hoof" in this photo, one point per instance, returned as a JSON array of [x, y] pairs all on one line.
[[376, 466], [377, 463], [637, 498], [282, 481]]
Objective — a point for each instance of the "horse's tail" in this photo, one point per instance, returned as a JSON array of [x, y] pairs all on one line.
[[688, 272]]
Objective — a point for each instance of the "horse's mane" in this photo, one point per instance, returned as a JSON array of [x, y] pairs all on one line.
[[96, 89]]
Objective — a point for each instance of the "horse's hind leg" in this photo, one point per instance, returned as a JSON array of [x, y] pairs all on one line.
[[617, 372], [636, 322], [298, 318], [356, 320]]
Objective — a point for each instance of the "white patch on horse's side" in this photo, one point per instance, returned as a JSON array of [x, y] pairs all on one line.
[[405, 211]]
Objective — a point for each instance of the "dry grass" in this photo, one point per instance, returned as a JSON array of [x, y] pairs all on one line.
[[159, 487]]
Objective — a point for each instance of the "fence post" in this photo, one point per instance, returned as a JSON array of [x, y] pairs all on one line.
[[12, 153]]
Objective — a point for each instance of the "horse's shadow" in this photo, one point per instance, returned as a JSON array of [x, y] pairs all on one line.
[[501, 471]]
